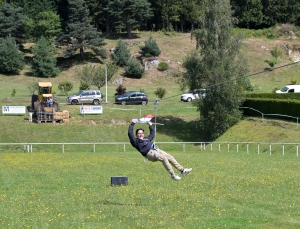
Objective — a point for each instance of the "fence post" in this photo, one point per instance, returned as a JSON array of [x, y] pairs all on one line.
[[283, 149], [210, 146], [219, 147], [237, 147], [258, 148], [270, 149], [228, 147], [124, 147], [94, 147], [247, 148], [63, 148], [297, 150]]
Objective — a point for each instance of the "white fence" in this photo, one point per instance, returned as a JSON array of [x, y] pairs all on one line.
[[247, 147]]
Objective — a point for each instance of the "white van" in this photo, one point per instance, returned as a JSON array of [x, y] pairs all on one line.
[[289, 89]]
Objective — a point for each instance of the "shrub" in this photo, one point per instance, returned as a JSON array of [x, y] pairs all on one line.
[[13, 92], [160, 92], [294, 80], [102, 53], [121, 54], [163, 66], [65, 87], [134, 69], [120, 90], [151, 48]]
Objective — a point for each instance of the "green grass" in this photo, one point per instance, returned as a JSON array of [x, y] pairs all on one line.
[[224, 190]]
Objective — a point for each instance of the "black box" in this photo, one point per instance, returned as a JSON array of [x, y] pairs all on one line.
[[119, 180]]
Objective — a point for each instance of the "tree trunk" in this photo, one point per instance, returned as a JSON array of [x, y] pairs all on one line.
[[107, 29], [81, 53], [128, 28]]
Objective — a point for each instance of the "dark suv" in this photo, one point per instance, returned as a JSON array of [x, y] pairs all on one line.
[[86, 96], [132, 97]]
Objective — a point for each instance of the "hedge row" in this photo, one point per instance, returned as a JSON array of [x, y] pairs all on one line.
[[290, 107], [274, 95]]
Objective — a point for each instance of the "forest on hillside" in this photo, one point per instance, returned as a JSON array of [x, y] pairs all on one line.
[[178, 15]]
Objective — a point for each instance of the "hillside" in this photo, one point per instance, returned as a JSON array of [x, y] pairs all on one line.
[[174, 48]]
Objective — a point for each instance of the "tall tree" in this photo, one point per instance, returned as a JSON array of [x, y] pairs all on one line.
[[43, 61], [95, 74], [79, 33], [215, 65], [45, 23], [11, 61], [248, 12], [129, 14], [11, 21]]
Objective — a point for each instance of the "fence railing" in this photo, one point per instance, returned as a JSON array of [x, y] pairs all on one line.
[[247, 147]]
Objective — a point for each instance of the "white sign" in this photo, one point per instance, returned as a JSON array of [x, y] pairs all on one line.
[[91, 110], [13, 110]]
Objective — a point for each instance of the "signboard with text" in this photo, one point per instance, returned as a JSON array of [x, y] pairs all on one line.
[[91, 110], [13, 110]]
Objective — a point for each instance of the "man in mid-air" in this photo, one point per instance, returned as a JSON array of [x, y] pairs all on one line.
[[145, 146]]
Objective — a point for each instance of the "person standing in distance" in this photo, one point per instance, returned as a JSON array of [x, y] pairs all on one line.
[[145, 146]]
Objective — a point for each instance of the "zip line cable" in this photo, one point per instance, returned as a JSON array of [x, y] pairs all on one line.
[[253, 74]]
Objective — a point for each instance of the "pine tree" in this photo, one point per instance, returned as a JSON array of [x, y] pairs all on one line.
[[151, 48], [11, 61], [121, 54], [215, 66], [128, 14], [43, 61], [79, 34], [11, 21], [133, 69]]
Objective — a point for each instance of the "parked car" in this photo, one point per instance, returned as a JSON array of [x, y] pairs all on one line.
[[132, 97], [194, 94], [289, 89], [86, 97]]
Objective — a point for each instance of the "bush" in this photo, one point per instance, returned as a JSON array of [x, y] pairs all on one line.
[[13, 94], [151, 48], [160, 92], [102, 53], [163, 66], [121, 54], [65, 87], [120, 90], [134, 69]]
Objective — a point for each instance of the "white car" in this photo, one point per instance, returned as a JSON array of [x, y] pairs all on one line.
[[192, 95]]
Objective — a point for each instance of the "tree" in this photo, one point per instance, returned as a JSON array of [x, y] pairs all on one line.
[[133, 69], [94, 74], [129, 14], [249, 13], [43, 62], [150, 48], [79, 34], [215, 66], [11, 61], [45, 23], [121, 54], [11, 21], [65, 87]]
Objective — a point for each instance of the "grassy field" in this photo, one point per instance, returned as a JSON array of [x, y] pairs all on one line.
[[48, 189], [224, 190]]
